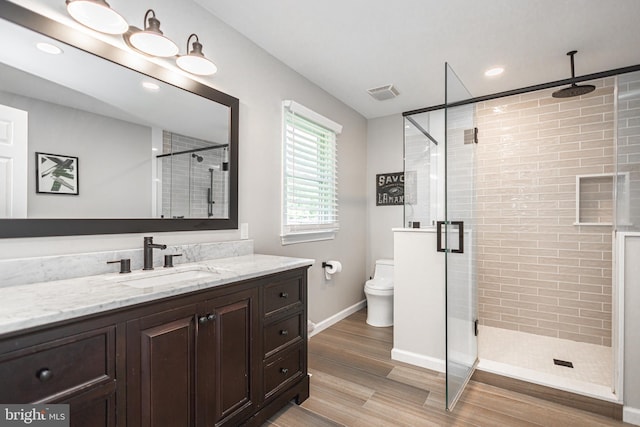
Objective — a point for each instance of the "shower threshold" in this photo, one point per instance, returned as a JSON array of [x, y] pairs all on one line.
[[577, 394], [525, 362]]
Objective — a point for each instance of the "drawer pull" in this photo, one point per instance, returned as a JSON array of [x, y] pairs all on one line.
[[284, 371], [284, 332], [284, 295], [44, 374]]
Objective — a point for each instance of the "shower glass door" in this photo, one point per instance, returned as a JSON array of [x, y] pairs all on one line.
[[456, 238]]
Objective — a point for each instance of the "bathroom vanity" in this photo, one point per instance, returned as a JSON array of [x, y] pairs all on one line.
[[219, 342]]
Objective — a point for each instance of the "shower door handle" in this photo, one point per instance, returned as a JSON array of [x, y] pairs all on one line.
[[439, 247], [460, 225]]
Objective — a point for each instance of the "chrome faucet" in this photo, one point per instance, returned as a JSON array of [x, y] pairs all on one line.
[[149, 246]]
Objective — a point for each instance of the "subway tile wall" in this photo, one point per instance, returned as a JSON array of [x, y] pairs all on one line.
[[538, 272], [190, 180]]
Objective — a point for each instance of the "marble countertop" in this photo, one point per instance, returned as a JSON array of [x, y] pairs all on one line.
[[27, 306]]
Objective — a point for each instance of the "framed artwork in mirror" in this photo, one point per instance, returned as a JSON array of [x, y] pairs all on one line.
[[56, 174]]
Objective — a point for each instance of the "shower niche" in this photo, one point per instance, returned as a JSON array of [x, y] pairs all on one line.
[[192, 178]]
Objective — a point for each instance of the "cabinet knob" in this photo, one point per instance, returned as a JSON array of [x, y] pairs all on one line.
[[211, 317], [284, 332], [44, 374], [284, 295], [284, 370], [202, 319]]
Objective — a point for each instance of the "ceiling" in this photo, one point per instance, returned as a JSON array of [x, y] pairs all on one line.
[[347, 47]]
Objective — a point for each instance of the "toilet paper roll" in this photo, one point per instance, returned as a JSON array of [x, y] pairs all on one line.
[[332, 267]]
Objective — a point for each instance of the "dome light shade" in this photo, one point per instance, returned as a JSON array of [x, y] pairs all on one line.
[[195, 62], [97, 15], [151, 41]]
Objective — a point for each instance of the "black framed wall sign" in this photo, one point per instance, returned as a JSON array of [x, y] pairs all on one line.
[[57, 174], [390, 189]]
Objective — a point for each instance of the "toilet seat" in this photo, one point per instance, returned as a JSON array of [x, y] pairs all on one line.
[[378, 292], [379, 284]]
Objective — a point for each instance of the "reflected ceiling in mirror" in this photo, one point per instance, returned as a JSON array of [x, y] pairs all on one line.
[[154, 150]]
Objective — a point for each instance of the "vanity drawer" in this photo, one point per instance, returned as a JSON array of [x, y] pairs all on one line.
[[283, 332], [282, 295], [282, 369], [58, 368]]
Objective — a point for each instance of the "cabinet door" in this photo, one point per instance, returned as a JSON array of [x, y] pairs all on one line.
[[161, 369], [95, 408], [228, 361]]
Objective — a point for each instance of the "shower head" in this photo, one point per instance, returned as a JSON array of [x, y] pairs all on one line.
[[198, 158], [574, 89]]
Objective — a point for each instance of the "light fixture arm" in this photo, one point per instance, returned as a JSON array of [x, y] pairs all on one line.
[[196, 47], [189, 40], [151, 23]]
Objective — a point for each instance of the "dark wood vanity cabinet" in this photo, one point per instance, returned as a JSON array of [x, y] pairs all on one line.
[[228, 356], [75, 364], [192, 365]]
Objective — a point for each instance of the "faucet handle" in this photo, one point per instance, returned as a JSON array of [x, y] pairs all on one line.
[[168, 260], [125, 265]]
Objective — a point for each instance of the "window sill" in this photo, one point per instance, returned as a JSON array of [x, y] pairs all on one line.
[[314, 236]]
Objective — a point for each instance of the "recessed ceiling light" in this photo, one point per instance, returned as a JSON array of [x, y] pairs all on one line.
[[150, 86], [496, 71], [49, 48]]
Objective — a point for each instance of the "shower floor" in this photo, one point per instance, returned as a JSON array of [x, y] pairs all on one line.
[[530, 357]]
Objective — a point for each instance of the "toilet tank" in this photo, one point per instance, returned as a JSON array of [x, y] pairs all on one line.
[[384, 269]]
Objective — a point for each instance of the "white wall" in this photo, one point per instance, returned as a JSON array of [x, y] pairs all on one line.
[[632, 329], [384, 154], [120, 150], [261, 83]]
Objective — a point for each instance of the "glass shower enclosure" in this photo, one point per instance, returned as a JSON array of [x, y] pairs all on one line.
[[458, 240], [193, 177], [439, 167]]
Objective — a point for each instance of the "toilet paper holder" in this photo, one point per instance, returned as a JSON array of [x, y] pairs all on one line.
[[331, 267]]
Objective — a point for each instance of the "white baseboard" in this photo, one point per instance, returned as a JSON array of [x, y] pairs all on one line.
[[631, 415], [418, 360], [324, 324]]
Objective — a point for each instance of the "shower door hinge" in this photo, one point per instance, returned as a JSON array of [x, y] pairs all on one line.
[[475, 327], [471, 136]]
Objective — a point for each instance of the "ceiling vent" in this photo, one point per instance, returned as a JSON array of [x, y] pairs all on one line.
[[383, 93]]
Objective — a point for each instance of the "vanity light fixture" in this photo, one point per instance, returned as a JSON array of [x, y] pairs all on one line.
[[97, 15], [195, 62], [151, 41]]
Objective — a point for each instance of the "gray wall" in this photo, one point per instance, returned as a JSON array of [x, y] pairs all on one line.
[[384, 154], [124, 147], [261, 83]]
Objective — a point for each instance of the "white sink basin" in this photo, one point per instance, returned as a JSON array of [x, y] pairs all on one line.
[[165, 277]]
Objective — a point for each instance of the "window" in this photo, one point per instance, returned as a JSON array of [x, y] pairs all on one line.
[[309, 175]]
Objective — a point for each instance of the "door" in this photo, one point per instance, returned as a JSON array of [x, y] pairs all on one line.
[[13, 162], [459, 228]]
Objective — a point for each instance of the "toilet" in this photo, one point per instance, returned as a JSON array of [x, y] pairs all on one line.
[[379, 293]]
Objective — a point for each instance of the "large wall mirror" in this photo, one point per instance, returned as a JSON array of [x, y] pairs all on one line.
[[97, 140]]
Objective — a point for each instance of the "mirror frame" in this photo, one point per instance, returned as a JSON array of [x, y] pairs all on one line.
[[19, 227]]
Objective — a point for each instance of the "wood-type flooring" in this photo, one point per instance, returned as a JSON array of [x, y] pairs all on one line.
[[355, 383]]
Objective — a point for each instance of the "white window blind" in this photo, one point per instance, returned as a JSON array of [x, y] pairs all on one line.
[[310, 181]]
